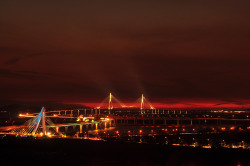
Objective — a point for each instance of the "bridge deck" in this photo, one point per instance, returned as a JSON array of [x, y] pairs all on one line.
[[75, 124]]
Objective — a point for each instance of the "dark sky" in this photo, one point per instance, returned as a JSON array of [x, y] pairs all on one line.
[[79, 51]]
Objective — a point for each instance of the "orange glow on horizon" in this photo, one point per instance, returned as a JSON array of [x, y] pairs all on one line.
[[183, 105]]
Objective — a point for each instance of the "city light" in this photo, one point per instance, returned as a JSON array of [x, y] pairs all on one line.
[[86, 121]]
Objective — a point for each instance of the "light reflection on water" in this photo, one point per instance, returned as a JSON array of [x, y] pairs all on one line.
[[179, 137], [159, 129], [194, 136]]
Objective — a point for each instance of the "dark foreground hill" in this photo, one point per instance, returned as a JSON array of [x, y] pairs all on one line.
[[29, 151]]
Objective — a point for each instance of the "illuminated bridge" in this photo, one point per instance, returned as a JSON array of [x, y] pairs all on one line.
[[93, 118], [43, 126]]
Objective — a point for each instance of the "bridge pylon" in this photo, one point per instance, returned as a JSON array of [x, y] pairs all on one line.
[[142, 103], [43, 121], [110, 102], [41, 117]]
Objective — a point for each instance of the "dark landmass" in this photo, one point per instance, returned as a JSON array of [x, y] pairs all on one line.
[[10, 110], [30, 151]]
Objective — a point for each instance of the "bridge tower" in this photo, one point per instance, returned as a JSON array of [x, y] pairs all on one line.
[[40, 117], [142, 103], [43, 122], [110, 102]]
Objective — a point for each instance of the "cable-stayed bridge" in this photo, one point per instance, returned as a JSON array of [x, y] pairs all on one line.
[[106, 115], [108, 103], [41, 125]]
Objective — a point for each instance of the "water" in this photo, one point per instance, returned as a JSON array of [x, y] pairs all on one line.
[[30, 151], [194, 136]]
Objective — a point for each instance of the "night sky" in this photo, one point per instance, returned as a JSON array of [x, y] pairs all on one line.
[[175, 52]]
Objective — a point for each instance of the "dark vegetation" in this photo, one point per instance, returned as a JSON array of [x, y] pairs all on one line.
[[30, 151]]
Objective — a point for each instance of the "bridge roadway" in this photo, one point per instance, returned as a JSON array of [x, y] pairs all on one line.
[[57, 126], [80, 124], [138, 119], [178, 120], [76, 124]]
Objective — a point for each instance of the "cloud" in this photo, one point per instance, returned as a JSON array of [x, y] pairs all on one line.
[[6, 73], [18, 59], [12, 61]]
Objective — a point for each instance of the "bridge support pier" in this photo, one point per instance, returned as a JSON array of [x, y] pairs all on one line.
[[57, 129], [96, 126], [80, 128]]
